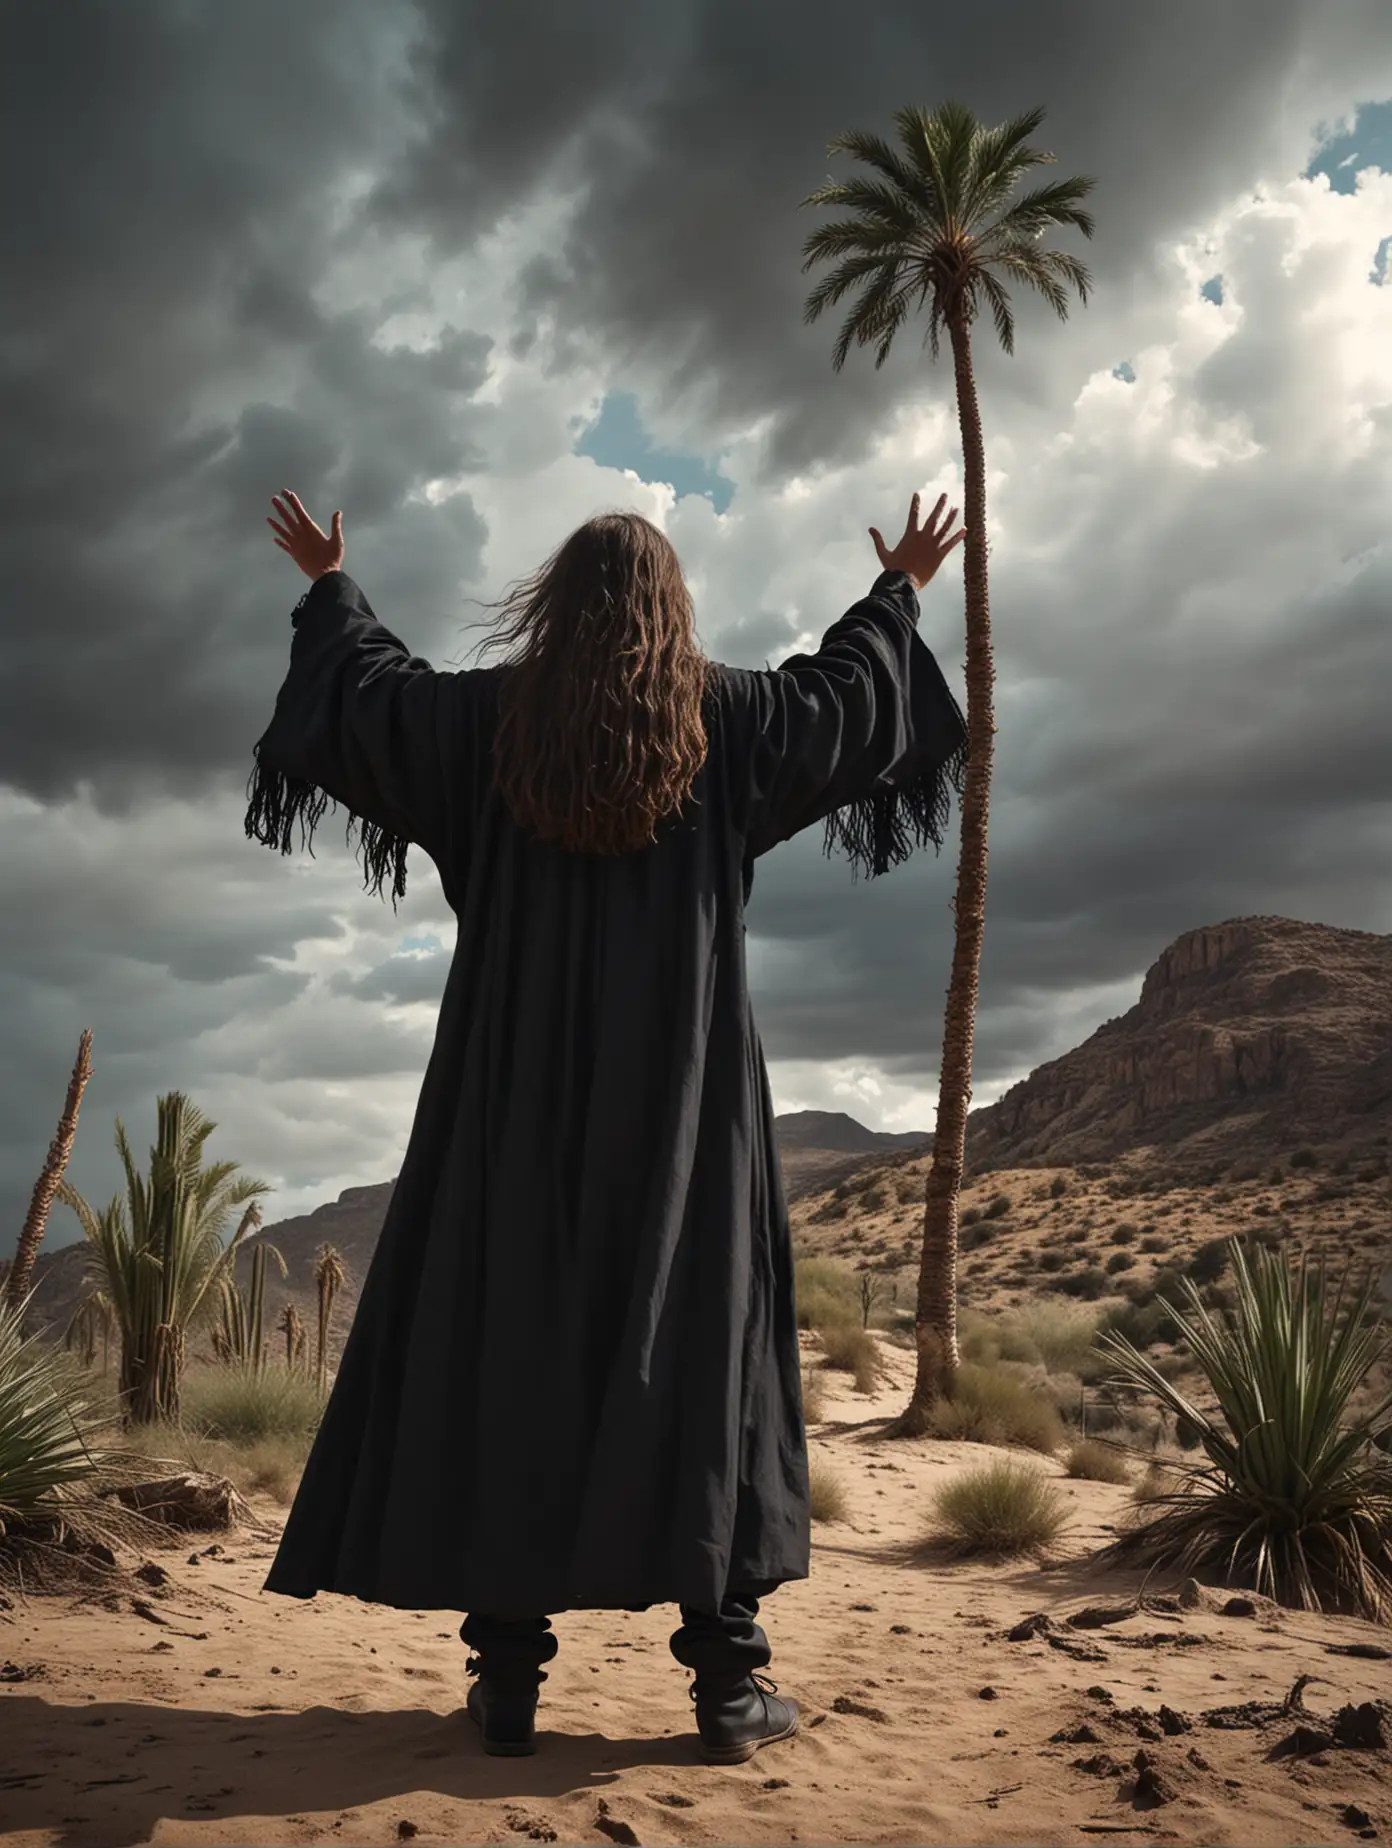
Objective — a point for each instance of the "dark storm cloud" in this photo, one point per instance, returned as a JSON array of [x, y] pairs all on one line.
[[694, 131]]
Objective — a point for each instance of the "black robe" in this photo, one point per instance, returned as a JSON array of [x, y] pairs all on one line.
[[572, 1380]]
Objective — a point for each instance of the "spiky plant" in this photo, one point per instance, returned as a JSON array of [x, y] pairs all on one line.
[[51, 1475], [329, 1278], [918, 234], [93, 1316], [161, 1271], [241, 1339], [1292, 1494]]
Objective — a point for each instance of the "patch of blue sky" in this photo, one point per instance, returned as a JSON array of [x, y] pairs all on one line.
[[617, 439]]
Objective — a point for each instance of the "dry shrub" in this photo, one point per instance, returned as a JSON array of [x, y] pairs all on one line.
[[1089, 1461], [994, 1407], [999, 1512], [828, 1492], [827, 1294], [813, 1398], [854, 1350]]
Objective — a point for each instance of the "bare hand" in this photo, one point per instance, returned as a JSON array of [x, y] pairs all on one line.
[[922, 549], [315, 552]]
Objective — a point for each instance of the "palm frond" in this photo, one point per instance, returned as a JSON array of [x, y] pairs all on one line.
[[1000, 307], [1054, 204], [833, 286], [878, 154]]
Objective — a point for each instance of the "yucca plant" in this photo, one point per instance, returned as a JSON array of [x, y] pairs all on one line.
[[161, 1271], [51, 1476], [1291, 1495], [291, 1325]]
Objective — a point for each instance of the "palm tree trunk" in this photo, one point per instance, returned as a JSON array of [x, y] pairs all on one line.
[[31, 1235], [936, 1317]]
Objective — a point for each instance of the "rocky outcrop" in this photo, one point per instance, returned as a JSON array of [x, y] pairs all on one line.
[[1246, 1034]]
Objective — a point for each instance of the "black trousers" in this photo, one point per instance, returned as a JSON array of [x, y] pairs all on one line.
[[721, 1646]]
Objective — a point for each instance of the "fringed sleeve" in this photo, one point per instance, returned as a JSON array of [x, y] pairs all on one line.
[[358, 720], [864, 735]]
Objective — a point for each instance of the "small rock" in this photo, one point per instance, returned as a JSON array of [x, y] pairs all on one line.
[[674, 1800], [775, 1783], [1172, 1722], [1364, 1726], [1305, 1741], [212, 1671], [1196, 1757], [1076, 1735], [1028, 1628], [862, 1607], [1101, 1764], [405, 1830], [1000, 1733], [152, 1574], [1152, 1786], [987, 1694], [1354, 1817], [1099, 1693], [844, 1704], [899, 1629], [1238, 1607]]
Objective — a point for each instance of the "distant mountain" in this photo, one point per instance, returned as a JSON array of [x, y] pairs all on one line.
[[833, 1129]]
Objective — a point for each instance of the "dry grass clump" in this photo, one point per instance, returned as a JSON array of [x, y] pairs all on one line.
[[994, 1407], [828, 1294], [999, 1512], [813, 1397], [828, 1492], [1088, 1461], [854, 1350]]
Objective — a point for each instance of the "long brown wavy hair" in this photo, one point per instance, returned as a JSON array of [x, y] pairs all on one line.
[[600, 729]]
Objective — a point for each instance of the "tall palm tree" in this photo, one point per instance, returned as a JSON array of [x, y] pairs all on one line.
[[919, 230], [162, 1271]]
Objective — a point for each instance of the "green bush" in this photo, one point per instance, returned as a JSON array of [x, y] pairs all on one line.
[[1119, 1261], [1209, 1261], [1292, 1494], [999, 1512], [969, 1216], [999, 1206], [239, 1406], [1052, 1261], [990, 1406], [827, 1294], [1123, 1232], [1058, 1187]]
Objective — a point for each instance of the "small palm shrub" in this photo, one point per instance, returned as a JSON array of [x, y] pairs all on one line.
[[999, 1512], [1291, 1494], [828, 1492], [995, 1407], [1089, 1461]]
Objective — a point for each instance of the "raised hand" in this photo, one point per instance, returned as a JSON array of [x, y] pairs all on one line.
[[922, 548], [315, 552]]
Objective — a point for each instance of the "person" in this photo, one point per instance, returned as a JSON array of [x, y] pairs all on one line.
[[572, 1380]]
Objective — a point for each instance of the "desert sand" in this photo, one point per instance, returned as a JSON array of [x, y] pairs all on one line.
[[225, 1714]]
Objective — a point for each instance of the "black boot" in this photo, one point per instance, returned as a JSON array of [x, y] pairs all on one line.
[[734, 1718], [504, 1710]]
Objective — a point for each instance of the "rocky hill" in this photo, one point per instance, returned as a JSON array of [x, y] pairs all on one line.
[[1247, 1035]]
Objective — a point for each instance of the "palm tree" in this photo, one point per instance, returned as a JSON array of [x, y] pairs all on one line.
[[46, 1187], [919, 230], [163, 1271]]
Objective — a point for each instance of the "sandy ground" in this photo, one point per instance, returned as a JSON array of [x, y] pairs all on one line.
[[244, 1717]]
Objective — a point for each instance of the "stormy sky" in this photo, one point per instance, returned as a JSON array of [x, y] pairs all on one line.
[[473, 273]]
